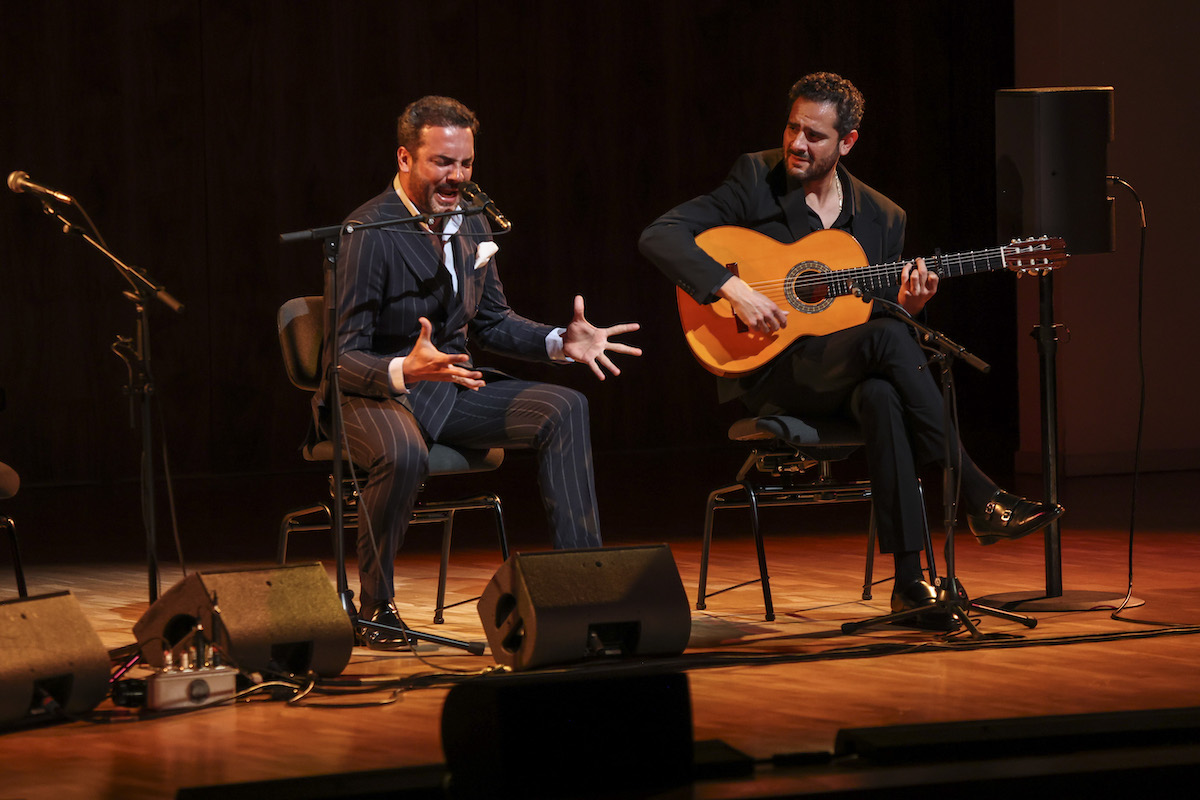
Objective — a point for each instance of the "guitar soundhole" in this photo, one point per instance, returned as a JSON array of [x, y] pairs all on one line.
[[807, 288]]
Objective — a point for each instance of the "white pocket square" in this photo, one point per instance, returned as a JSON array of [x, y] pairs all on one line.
[[484, 254]]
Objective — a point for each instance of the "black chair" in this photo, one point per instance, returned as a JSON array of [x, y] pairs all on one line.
[[301, 327], [10, 482], [776, 474]]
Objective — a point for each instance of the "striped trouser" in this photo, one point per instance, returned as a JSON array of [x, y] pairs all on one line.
[[386, 441]]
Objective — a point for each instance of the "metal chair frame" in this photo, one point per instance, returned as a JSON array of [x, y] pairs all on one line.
[[301, 352], [431, 511], [11, 527], [770, 478]]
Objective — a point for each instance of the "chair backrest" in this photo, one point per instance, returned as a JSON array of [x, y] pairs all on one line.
[[9, 481], [301, 323]]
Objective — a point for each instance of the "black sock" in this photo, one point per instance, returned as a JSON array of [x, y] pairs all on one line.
[[908, 567], [977, 488]]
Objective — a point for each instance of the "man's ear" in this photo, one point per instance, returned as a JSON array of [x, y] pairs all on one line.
[[404, 159], [847, 142]]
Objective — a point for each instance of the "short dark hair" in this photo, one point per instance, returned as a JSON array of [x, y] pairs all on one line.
[[432, 111], [826, 87]]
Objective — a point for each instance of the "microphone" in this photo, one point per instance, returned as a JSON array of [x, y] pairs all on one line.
[[471, 192], [19, 182]]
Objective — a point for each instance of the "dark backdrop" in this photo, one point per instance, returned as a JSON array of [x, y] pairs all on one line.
[[195, 132]]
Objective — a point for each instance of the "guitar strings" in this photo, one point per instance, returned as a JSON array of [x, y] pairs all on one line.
[[945, 265]]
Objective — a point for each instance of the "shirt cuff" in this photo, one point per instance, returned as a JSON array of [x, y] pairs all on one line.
[[554, 346], [396, 375]]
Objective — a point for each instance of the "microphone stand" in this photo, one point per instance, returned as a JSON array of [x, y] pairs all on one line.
[[135, 352], [329, 236], [951, 597]]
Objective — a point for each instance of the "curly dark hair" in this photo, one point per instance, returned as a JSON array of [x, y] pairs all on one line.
[[432, 111], [826, 87]]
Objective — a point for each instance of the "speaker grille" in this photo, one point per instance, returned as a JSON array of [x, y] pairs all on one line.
[[279, 619], [48, 648], [563, 606]]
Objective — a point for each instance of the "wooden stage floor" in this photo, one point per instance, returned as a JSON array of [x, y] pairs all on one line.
[[778, 692]]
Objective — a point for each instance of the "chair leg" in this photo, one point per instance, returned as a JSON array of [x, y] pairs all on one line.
[[500, 534], [710, 511], [11, 527], [762, 555], [290, 524], [285, 530], [447, 534], [869, 574], [444, 511], [930, 561]]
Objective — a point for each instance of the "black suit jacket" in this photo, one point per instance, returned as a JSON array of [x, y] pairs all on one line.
[[390, 277], [757, 194]]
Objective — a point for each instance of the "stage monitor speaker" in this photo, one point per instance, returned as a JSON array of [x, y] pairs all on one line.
[[569, 605], [572, 735], [49, 652], [276, 619], [1052, 165]]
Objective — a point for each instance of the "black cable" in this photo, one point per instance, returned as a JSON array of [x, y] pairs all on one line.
[[90, 224], [170, 484], [1141, 361]]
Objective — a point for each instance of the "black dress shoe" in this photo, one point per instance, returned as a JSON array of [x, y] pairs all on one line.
[[1007, 516], [382, 640], [912, 595], [918, 594]]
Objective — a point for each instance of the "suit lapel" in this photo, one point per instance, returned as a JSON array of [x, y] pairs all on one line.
[[867, 227], [421, 254]]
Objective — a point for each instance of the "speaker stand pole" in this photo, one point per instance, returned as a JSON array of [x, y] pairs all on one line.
[[1053, 599], [1046, 333]]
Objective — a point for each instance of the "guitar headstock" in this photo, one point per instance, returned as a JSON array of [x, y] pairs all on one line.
[[1035, 255]]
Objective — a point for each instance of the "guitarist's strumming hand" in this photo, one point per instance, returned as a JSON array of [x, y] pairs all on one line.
[[755, 309], [917, 286]]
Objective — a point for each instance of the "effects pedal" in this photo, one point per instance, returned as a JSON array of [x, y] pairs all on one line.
[[187, 688]]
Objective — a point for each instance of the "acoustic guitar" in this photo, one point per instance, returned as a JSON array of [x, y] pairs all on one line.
[[821, 281]]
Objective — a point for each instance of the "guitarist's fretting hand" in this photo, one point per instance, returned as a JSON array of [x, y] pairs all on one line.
[[751, 307], [917, 286]]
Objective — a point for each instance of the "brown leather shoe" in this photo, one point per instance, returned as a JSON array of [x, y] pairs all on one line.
[[1007, 516]]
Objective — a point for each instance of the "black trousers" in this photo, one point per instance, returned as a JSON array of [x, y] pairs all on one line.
[[875, 372], [386, 440]]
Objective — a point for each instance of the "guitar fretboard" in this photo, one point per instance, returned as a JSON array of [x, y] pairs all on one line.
[[875, 278]]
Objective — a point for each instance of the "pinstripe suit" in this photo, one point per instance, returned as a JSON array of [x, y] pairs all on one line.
[[387, 279]]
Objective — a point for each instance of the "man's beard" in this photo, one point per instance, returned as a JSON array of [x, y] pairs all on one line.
[[813, 170]]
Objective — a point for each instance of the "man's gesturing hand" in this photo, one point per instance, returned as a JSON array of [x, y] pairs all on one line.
[[586, 343], [427, 363]]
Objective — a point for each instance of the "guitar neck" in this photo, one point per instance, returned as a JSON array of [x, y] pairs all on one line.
[[878, 277]]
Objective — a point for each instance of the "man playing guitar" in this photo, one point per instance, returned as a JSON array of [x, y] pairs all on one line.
[[870, 368]]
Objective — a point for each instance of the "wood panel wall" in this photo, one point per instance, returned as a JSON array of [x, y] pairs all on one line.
[[196, 132]]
